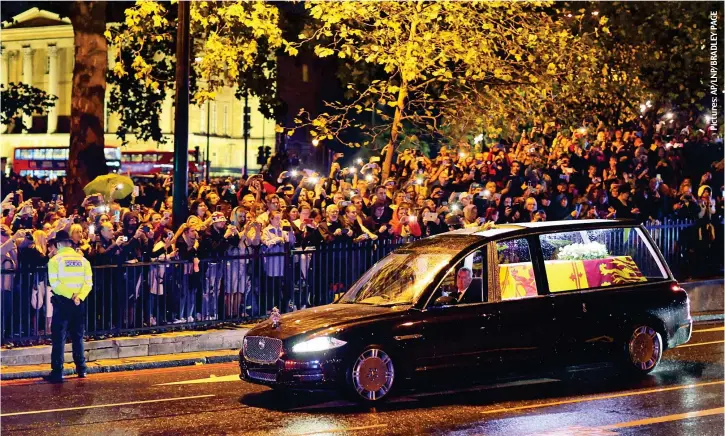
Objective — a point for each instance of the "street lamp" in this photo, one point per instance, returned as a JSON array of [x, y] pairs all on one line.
[[208, 161], [315, 142], [197, 60]]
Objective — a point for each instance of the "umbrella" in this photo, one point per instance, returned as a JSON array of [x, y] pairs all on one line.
[[112, 186]]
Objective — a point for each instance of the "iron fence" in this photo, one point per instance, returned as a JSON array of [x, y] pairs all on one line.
[[142, 297]]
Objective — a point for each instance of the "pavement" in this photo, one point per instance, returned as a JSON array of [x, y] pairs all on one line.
[[131, 353], [683, 396]]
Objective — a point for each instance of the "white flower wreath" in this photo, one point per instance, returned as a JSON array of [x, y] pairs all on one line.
[[592, 250]]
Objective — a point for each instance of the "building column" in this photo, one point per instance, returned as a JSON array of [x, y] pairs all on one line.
[[4, 76], [53, 87], [28, 78]]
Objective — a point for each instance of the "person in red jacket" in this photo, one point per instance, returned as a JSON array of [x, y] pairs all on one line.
[[404, 222]]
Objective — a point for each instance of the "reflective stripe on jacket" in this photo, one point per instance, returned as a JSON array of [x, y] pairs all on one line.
[[70, 273]]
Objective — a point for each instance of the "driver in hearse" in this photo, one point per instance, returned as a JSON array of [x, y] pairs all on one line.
[[464, 277]]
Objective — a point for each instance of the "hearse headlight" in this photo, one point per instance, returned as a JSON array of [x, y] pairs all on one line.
[[318, 344]]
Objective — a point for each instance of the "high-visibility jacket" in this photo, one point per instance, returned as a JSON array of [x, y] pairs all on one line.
[[70, 273]]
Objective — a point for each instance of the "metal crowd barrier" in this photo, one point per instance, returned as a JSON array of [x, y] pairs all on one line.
[[143, 297], [134, 298]]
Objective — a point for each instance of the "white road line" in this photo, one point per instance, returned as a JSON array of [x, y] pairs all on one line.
[[667, 418], [714, 329], [487, 387], [210, 379], [602, 397], [699, 343], [342, 430], [66, 409], [414, 397]]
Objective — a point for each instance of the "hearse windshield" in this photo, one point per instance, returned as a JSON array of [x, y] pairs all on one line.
[[402, 276]]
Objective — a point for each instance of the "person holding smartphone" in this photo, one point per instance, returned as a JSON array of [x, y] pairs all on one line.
[[276, 240], [405, 223], [213, 245], [161, 253]]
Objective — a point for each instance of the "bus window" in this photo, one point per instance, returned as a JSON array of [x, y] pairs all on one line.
[[59, 154], [112, 153]]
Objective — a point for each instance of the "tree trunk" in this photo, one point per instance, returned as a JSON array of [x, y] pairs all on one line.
[[395, 129], [86, 158], [400, 105]]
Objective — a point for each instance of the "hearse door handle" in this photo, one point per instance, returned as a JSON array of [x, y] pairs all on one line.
[[584, 307]]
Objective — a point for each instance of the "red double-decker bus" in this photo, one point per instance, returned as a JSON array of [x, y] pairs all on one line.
[[52, 161], [147, 163]]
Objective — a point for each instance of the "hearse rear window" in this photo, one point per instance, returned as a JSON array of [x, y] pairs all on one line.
[[588, 259]]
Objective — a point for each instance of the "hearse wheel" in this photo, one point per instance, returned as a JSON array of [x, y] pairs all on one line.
[[644, 349], [371, 376]]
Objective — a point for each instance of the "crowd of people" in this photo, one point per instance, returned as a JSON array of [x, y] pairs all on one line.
[[547, 174]]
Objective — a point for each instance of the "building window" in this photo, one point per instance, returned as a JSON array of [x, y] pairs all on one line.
[[225, 121], [213, 122], [305, 73]]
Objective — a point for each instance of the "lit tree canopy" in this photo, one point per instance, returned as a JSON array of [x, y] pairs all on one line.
[[233, 42], [496, 58], [23, 99]]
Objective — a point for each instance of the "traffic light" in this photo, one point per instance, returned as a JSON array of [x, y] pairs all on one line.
[[260, 156], [267, 153], [196, 153], [247, 125]]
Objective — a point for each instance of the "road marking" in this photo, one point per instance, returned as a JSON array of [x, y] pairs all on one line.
[[667, 418], [210, 379], [415, 397], [342, 430], [714, 329], [33, 412], [698, 344], [602, 397], [486, 387]]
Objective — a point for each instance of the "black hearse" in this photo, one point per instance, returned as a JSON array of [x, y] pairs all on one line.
[[493, 298]]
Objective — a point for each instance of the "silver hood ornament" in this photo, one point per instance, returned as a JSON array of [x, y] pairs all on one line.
[[275, 316]]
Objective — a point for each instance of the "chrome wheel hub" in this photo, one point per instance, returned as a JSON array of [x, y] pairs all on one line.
[[644, 347], [373, 374]]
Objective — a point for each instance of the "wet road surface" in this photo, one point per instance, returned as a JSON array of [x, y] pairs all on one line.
[[683, 396]]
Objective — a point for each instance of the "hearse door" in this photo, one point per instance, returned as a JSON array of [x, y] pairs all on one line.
[[528, 328], [463, 334]]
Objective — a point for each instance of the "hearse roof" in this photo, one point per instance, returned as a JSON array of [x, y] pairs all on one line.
[[524, 228]]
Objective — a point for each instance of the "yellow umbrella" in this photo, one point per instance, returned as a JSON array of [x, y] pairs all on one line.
[[112, 186]]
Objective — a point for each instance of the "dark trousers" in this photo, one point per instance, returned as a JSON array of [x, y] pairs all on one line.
[[67, 319]]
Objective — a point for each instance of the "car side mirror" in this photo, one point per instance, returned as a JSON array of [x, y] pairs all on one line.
[[445, 300]]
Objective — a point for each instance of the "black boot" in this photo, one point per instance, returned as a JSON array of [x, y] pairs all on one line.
[[54, 377], [81, 372]]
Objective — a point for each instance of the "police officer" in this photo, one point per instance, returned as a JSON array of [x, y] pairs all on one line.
[[71, 280]]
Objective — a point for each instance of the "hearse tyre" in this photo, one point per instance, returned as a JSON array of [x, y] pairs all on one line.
[[370, 375], [643, 348]]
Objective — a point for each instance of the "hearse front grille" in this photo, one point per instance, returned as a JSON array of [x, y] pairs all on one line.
[[260, 349]]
